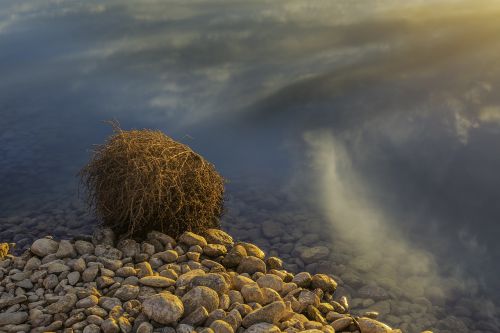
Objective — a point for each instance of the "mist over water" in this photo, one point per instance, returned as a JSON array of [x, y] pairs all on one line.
[[383, 116]]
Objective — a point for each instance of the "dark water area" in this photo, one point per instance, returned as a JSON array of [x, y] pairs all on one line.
[[371, 128]]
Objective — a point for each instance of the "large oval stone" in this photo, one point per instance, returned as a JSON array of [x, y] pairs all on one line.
[[164, 308]]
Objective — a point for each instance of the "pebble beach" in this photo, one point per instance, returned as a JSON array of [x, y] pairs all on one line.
[[287, 250]]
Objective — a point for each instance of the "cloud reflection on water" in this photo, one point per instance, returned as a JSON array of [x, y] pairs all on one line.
[[408, 90]]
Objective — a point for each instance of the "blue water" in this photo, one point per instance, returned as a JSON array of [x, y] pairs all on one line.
[[376, 115]]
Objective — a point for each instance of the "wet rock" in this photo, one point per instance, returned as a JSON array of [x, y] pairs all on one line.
[[163, 308], [271, 229], [314, 254], [373, 292], [368, 325]]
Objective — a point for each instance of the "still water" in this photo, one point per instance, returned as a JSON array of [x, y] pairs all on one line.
[[369, 127]]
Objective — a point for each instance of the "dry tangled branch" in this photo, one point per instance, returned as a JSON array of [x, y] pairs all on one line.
[[142, 180]]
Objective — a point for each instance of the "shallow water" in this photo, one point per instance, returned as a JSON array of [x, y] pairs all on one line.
[[374, 126]]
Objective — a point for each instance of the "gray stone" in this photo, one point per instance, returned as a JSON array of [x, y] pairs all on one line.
[[6, 302], [65, 250], [252, 293], [302, 279], [164, 308], [190, 238], [65, 304], [234, 257], [217, 236], [274, 263], [341, 324], [271, 229], [92, 328], [324, 282], [374, 292], [163, 238], [214, 250], [253, 250], [270, 313], [125, 325], [83, 247], [186, 278], [184, 328], [57, 267], [212, 280], [110, 326], [200, 296], [251, 265], [13, 318], [129, 247], [127, 292], [109, 303], [87, 302], [145, 327], [73, 278], [156, 281], [104, 236], [50, 282], [270, 281], [44, 246], [368, 325], [168, 256], [263, 328], [197, 317], [314, 254], [220, 326]]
